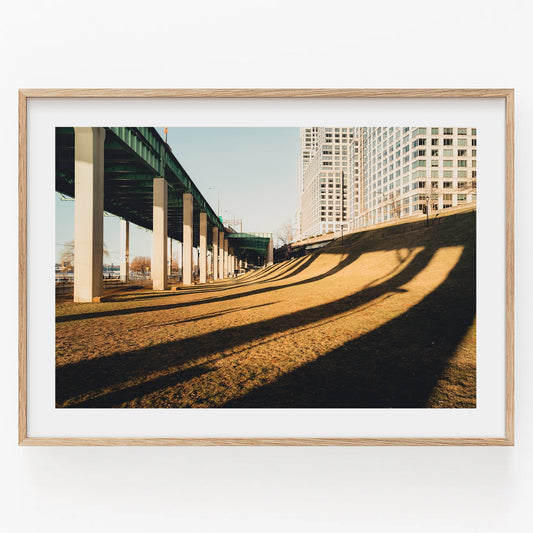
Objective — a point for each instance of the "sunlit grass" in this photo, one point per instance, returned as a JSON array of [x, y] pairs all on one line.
[[376, 322]]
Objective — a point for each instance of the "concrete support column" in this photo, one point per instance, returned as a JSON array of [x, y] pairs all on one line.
[[215, 254], [159, 235], [203, 247], [221, 255], [124, 250], [240, 264], [270, 252], [88, 213], [225, 262], [187, 238]]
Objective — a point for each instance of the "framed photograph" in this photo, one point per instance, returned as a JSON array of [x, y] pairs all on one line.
[[266, 267]]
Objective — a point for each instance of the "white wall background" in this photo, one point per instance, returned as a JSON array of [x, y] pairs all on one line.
[[268, 43]]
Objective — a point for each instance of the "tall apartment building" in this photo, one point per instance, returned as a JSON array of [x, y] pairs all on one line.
[[308, 145], [325, 179], [408, 171], [358, 177]]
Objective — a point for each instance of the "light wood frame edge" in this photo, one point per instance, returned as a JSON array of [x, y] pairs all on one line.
[[507, 94]]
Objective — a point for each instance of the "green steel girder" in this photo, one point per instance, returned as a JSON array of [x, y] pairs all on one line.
[[142, 144], [148, 145], [133, 157], [253, 242]]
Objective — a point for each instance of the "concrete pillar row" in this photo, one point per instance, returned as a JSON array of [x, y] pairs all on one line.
[[159, 234], [215, 254], [203, 248], [187, 238], [124, 250], [88, 213], [221, 255]]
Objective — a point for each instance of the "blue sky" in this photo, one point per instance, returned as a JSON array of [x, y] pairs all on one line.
[[254, 169]]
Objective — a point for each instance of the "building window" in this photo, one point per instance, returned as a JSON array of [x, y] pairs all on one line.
[[447, 185], [447, 131], [461, 163], [434, 142], [434, 153], [461, 153], [447, 163], [447, 153], [448, 142], [461, 131], [434, 131]]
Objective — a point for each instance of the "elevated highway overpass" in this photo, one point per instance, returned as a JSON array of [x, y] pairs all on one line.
[[132, 173]]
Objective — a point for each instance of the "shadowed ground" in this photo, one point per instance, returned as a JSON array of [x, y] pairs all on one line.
[[387, 319]]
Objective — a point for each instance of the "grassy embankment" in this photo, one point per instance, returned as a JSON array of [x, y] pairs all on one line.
[[385, 320]]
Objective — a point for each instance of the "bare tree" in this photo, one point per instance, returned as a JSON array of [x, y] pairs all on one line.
[[285, 234], [395, 206], [67, 257], [141, 265]]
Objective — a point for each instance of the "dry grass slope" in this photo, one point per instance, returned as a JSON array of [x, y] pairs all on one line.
[[387, 319]]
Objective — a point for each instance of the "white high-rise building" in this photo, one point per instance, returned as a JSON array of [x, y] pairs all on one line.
[[325, 180], [308, 145], [408, 171], [358, 177]]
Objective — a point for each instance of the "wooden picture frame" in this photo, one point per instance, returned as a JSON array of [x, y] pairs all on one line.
[[506, 95]]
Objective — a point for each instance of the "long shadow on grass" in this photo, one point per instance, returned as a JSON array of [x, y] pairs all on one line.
[[76, 379], [128, 311], [396, 365], [143, 388], [218, 286]]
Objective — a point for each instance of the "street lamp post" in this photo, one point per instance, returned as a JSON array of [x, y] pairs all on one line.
[[218, 199], [427, 198]]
